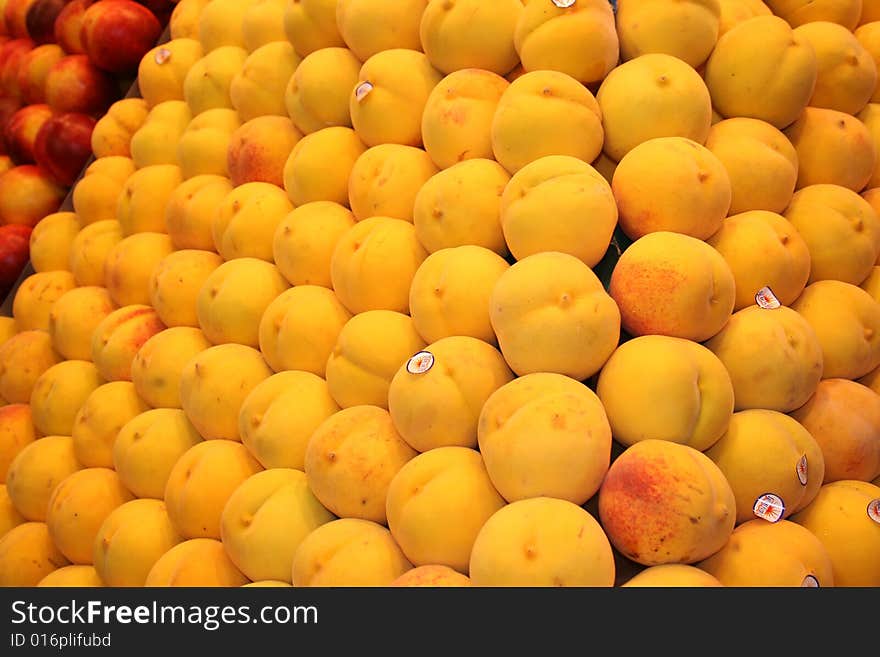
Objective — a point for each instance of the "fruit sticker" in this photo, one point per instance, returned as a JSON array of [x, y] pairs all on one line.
[[810, 582], [363, 90], [766, 299], [420, 363], [770, 507], [162, 56], [874, 510], [802, 470], [564, 4]]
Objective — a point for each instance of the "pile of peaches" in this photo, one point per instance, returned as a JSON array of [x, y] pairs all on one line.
[[62, 64]]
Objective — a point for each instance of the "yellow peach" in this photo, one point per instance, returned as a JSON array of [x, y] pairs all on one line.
[[320, 165], [89, 249], [23, 358], [189, 214], [175, 284], [99, 420], [35, 472], [51, 240], [245, 221], [118, 337], [257, 88], [317, 94], [130, 264], [158, 364]]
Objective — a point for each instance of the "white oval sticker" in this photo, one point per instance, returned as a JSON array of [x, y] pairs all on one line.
[[564, 4], [420, 363], [766, 299], [810, 582], [874, 510], [162, 56], [802, 470], [363, 90], [770, 507]]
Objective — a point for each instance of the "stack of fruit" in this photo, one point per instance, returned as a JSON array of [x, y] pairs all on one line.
[[456, 292], [62, 64]]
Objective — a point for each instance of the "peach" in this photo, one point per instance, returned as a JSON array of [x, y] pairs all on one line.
[[99, 420], [299, 328], [471, 34], [72, 576], [155, 142], [844, 519], [147, 447], [545, 434], [462, 372], [130, 265], [687, 30], [233, 298], [9, 517], [847, 321], [221, 23], [351, 459], [664, 502], [521, 126], [95, 196], [348, 552], [202, 481], [16, 433], [542, 541], [406, 168], [666, 388], [175, 284], [377, 248], [32, 301], [788, 71], [843, 416], [658, 85], [162, 69], [258, 87], [59, 393], [317, 94], [118, 337], [214, 384], [208, 81], [27, 555], [763, 249], [432, 576], [450, 293], [430, 491], [841, 230], [266, 519], [144, 198], [458, 114], [184, 20], [51, 240], [203, 147], [23, 358], [189, 213], [833, 147], [461, 206], [114, 129], [158, 365], [397, 82], [311, 25], [307, 174], [78, 507], [672, 575], [131, 539], [371, 26], [262, 23], [774, 358], [672, 284], [304, 240], [200, 562], [74, 318], [89, 251], [551, 313], [868, 36], [358, 373], [273, 432], [762, 554], [259, 149], [580, 41], [798, 12], [245, 221], [36, 471]]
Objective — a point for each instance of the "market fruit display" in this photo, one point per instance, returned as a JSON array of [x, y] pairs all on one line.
[[443, 293], [66, 67]]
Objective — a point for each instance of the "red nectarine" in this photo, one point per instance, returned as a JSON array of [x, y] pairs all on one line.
[[27, 194], [117, 34], [64, 145], [35, 67], [20, 132], [75, 84]]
